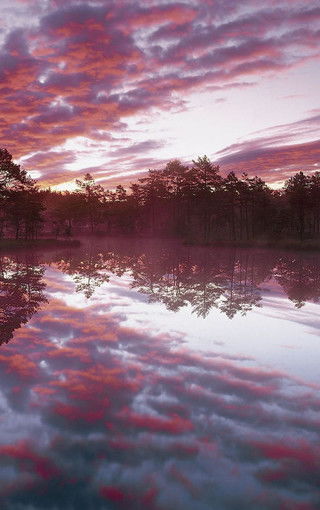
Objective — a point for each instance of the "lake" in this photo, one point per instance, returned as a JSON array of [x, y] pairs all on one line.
[[146, 374]]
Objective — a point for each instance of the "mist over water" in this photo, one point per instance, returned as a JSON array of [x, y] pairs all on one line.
[[147, 374]]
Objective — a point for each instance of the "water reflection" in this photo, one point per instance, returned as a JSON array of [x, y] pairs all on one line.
[[226, 279], [100, 414], [299, 277], [88, 272], [21, 292]]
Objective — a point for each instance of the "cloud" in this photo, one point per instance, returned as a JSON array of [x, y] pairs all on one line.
[[84, 68], [46, 161], [275, 154], [273, 163]]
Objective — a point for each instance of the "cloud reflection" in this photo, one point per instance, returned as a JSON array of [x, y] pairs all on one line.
[[97, 413], [130, 418]]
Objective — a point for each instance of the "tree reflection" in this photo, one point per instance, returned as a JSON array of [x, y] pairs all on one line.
[[21, 292], [224, 279], [229, 280], [299, 276], [88, 274], [92, 269]]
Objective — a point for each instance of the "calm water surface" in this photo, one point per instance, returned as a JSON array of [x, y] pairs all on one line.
[[143, 374]]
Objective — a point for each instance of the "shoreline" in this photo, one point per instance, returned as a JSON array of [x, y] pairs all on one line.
[[39, 243], [285, 244]]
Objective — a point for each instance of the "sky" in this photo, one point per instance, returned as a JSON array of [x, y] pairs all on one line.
[[116, 87]]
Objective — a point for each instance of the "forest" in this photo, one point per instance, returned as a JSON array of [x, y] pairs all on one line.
[[195, 203]]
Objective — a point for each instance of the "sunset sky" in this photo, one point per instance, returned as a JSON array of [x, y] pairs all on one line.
[[115, 87]]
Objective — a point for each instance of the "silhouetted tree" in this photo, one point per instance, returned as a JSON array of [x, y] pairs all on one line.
[[24, 212], [206, 182], [20, 202], [314, 193], [151, 193], [297, 190], [93, 196], [11, 175]]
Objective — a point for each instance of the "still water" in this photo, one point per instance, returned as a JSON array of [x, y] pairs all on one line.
[[147, 375]]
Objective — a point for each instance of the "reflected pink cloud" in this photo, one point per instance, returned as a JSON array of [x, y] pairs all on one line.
[[174, 425], [78, 395], [28, 460]]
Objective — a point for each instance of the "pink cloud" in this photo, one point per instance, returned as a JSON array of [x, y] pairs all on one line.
[[265, 161], [86, 68]]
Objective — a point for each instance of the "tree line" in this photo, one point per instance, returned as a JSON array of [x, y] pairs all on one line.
[[193, 202]]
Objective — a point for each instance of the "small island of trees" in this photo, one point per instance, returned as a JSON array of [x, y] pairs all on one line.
[[192, 202]]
